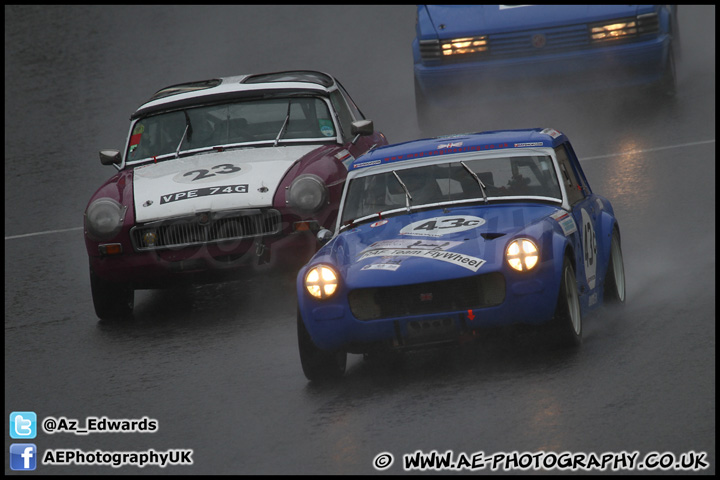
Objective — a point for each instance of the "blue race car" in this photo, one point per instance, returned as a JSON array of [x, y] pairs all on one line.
[[468, 53], [439, 238]]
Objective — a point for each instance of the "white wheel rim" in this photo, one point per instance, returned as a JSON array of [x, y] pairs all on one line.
[[573, 302]]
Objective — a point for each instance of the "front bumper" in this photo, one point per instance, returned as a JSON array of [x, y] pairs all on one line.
[[202, 264], [578, 71], [332, 326]]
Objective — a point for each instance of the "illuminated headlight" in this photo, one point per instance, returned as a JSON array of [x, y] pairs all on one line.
[[307, 193], [461, 46], [613, 31], [104, 218], [624, 28], [522, 254], [321, 282]]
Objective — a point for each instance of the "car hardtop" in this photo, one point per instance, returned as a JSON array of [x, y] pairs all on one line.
[[451, 149], [469, 142], [450, 21], [239, 86]]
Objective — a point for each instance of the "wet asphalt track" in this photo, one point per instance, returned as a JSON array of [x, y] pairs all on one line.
[[217, 366]]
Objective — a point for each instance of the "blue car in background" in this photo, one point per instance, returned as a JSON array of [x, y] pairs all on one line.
[[468, 53], [438, 239]]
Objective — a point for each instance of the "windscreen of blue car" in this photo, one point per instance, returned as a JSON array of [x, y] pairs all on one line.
[[513, 176]]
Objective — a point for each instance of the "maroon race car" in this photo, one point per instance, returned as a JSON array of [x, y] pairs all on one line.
[[220, 175]]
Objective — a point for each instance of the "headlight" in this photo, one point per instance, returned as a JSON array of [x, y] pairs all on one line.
[[321, 282], [624, 28], [613, 31], [522, 254], [460, 46], [104, 218], [307, 193]]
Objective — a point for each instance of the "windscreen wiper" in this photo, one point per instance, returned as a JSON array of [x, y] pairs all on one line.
[[284, 125], [477, 179], [187, 132], [408, 197]]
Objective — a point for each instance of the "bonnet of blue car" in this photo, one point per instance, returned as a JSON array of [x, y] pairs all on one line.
[[360, 252]]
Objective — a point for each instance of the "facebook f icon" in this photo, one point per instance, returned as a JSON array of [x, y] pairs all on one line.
[[23, 425], [23, 456]]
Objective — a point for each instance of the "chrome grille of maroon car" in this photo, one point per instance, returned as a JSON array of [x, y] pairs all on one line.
[[212, 229], [455, 295]]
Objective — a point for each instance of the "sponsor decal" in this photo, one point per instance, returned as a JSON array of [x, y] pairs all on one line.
[[326, 128], [367, 164], [345, 158], [566, 221], [552, 132], [202, 192], [379, 223], [529, 144], [439, 226], [410, 244], [390, 267], [136, 137], [592, 299], [459, 259], [448, 150], [450, 145]]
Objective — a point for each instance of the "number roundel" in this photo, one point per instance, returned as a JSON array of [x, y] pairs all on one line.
[[211, 174], [438, 226], [589, 249]]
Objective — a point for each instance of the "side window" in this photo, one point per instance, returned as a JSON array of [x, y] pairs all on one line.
[[353, 108], [343, 113], [568, 178]]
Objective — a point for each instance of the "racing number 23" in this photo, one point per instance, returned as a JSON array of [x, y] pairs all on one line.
[[225, 168]]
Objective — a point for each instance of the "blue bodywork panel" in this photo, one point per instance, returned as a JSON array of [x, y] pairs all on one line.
[[484, 52], [411, 276]]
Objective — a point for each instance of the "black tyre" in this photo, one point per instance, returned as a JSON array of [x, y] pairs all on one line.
[[112, 301], [318, 365], [668, 84], [614, 283], [567, 322]]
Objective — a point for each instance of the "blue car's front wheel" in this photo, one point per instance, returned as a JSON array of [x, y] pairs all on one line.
[[615, 278], [318, 365], [567, 321]]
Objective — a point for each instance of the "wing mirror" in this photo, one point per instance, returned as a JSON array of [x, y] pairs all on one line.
[[324, 236], [110, 157], [361, 128]]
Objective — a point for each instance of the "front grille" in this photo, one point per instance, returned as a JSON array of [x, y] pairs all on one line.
[[201, 229], [426, 298], [534, 42], [648, 23]]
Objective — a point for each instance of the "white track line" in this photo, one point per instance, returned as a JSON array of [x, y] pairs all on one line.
[[632, 152], [656, 149], [13, 237]]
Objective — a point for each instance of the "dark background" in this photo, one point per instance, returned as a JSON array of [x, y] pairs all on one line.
[[218, 365]]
